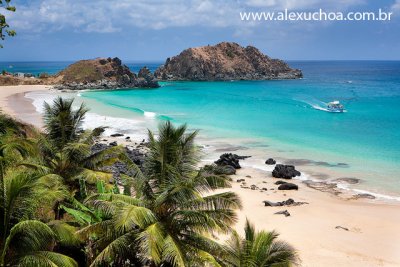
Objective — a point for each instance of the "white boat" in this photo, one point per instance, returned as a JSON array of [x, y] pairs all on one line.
[[335, 106]]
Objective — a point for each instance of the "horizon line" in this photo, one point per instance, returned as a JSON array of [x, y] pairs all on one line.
[[162, 61]]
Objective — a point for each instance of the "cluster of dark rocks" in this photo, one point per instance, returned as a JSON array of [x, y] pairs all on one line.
[[289, 202], [285, 171], [118, 168], [229, 159]]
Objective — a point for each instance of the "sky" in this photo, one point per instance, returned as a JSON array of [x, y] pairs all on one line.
[[152, 30]]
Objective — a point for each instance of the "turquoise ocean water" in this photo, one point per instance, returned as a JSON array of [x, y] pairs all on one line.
[[285, 119]]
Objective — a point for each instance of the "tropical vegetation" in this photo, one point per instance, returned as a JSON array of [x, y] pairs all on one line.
[[61, 204]]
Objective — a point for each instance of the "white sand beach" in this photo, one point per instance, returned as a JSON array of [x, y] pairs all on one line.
[[14, 102], [372, 238]]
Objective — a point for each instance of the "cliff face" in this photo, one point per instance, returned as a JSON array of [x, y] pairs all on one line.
[[225, 61], [102, 73]]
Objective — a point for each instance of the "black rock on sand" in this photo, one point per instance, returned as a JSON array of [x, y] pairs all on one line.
[[285, 171]]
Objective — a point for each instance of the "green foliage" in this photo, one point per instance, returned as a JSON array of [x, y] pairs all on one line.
[[30, 242], [169, 220], [257, 249], [167, 216], [62, 122], [4, 27]]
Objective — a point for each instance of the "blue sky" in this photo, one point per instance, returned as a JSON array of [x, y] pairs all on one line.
[[152, 30]]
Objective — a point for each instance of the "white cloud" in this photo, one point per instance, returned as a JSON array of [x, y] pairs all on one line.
[[396, 6], [303, 4], [110, 16]]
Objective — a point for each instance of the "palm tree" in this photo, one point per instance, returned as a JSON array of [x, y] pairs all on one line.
[[24, 193], [171, 217], [14, 145], [30, 243], [24, 240], [65, 150], [62, 122], [257, 249]]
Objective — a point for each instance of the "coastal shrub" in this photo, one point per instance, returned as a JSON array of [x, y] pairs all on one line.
[[44, 75]]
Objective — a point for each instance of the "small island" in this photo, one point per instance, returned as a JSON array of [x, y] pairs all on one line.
[[99, 73], [224, 62]]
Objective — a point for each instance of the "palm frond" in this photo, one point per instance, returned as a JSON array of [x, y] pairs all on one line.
[[118, 248], [151, 242], [46, 259], [173, 252], [65, 233]]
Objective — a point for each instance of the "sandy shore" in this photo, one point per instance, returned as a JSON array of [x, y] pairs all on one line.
[[372, 238], [14, 102]]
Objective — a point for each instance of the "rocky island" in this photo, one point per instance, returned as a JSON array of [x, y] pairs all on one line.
[[223, 62], [103, 73], [99, 73]]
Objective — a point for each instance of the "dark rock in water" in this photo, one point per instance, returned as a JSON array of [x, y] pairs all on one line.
[[113, 143], [285, 171], [284, 212], [146, 78], [116, 135], [289, 202], [229, 159], [280, 182], [341, 227], [288, 186], [270, 161]]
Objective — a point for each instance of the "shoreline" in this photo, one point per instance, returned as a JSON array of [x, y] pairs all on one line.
[[320, 178], [372, 225], [14, 103]]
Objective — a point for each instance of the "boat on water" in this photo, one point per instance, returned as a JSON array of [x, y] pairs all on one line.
[[335, 106]]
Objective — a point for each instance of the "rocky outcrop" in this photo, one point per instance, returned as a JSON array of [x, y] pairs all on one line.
[[224, 62], [270, 161], [285, 171], [229, 159], [102, 73], [118, 168]]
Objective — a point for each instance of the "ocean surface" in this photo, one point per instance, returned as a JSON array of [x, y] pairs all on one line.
[[286, 120]]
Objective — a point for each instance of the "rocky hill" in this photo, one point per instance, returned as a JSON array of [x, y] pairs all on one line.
[[225, 61], [102, 73]]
